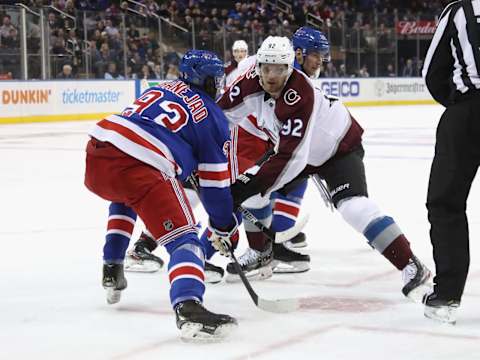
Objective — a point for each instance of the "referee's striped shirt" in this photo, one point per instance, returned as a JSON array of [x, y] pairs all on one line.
[[452, 64]]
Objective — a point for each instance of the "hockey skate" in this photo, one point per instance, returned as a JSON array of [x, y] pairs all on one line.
[[298, 241], [444, 311], [256, 265], [416, 278], [213, 274], [141, 259], [113, 281], [286, 261], [198, 324]]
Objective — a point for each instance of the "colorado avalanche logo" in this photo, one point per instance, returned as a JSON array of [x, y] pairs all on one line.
[[291, 97]]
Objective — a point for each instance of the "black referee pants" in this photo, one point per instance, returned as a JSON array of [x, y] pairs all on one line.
[[457, 157]]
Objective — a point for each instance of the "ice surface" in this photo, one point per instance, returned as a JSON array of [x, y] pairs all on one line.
[[53, 307]]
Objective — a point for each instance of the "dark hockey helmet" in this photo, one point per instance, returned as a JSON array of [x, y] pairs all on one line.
[[310, 40], [202, 68]]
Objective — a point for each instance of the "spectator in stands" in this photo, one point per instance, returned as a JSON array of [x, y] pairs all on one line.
[[54, 22], [330, 70], [408, 70], [342, 71], [110, 29], [111, 73], [145, 73], [157, 71], [132, 33], [58, 42], [172, 72], [8, 32], [363, 72], [102, 58], [391, 71], [66, 72], [69, 7]]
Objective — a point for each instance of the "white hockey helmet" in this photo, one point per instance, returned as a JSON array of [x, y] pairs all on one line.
[[275, 50], [240, 45]]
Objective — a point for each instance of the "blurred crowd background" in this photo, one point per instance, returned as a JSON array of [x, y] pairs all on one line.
[[145, 39]]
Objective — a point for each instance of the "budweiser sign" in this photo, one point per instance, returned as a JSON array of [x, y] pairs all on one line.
[[422, 27]]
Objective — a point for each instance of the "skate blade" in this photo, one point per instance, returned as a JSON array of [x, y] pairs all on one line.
[[292, 267], [292, 245], [144, 266], [253, 275], [212, 277], [193, 333], [113, 295], [444, 315]]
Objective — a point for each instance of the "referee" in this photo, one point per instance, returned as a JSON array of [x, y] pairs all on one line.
[[451, 72]]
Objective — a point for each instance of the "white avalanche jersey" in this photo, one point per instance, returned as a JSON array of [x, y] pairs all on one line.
[[241, 68], [307, 127]]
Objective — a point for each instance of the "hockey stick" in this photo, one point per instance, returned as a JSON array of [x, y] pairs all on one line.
[[324, 193], [275, 306], [276, 236]]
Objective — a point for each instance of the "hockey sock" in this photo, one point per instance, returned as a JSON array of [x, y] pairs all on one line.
[[121, 221], [287, 207], [384, 235], [381, 231], [186, 269], [256, 239]]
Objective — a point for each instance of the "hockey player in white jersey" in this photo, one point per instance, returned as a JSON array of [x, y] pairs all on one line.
[[314, 134], [281, 209], [234, 68]]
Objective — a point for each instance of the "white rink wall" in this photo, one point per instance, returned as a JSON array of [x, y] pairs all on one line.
[[41, 101], [44, 101]]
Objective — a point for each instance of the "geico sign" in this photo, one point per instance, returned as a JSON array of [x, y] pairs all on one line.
[[13, 97], [341, 88]]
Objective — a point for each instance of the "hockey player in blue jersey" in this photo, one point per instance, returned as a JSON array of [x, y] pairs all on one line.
[[138, 160]]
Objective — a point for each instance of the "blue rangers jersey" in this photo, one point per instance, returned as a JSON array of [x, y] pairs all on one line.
[[178, 130]]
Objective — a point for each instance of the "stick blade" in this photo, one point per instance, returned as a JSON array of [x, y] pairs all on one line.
[[279, 306], [282, 236]]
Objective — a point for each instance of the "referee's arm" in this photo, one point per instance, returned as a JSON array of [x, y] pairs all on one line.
[[439, 61]]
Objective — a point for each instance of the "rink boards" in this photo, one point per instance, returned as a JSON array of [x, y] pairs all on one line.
[[44, 101]]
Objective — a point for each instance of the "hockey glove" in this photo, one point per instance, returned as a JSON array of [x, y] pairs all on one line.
[[245, 186], [224, 241]]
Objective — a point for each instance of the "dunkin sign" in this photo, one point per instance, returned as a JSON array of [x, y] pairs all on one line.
[[25, 97]]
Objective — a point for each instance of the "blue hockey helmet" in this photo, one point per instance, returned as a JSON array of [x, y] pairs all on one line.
[[198, 65], [310, 40]]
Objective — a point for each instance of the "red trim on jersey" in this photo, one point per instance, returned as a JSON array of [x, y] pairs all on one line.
[[248, 86], [352, 138], [132, 136], [120, 224], [186, 270], [214, 175], [289, 209]]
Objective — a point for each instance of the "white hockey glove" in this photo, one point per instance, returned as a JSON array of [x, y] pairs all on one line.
[[224, 241]]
